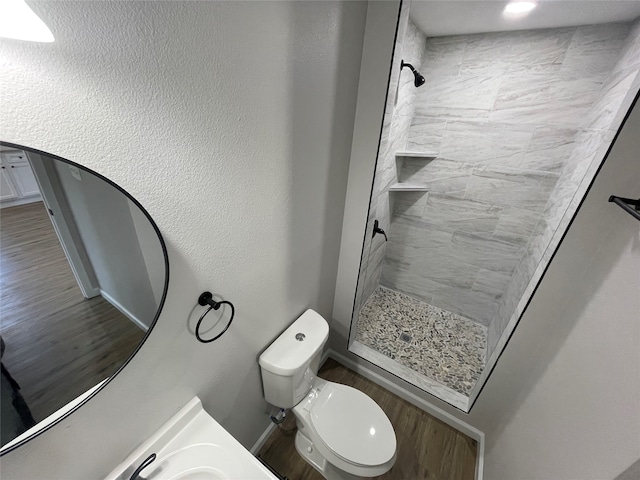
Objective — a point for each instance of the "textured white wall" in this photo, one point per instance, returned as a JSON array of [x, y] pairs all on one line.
[[231, 122], [563, 400]]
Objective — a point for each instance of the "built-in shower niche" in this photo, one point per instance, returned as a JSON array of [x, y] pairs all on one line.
[[479, 173]]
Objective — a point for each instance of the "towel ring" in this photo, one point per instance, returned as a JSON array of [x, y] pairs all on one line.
[[206, 298]]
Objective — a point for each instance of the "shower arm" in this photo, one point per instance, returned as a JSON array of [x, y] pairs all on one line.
[[404, 64]]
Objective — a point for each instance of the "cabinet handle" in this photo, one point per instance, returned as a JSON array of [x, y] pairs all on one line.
[[13, 166]]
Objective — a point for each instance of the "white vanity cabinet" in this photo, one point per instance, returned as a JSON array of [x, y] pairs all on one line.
[[7, 190], [18, 184]]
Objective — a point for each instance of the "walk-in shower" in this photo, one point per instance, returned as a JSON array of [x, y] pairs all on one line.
[[478, 175]]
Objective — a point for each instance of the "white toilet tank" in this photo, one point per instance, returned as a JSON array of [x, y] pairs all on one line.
[[290, 363]]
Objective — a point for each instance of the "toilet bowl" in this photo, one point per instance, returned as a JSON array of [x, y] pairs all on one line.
[[342, 432]]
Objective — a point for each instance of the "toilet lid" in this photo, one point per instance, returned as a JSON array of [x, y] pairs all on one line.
[[353, 426]]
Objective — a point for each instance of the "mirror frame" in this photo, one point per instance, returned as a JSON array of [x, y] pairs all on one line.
[[165, 289]]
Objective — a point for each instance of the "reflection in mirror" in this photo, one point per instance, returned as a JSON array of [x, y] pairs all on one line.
[[480, 171], [83, 272]]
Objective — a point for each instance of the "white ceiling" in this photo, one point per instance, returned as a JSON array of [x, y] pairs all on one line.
[[456, 17]]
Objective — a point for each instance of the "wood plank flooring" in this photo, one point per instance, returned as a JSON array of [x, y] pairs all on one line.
[[427, 448], [58, 343]]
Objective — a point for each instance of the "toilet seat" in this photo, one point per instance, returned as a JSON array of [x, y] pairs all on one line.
[[366, 441], [349, 429]]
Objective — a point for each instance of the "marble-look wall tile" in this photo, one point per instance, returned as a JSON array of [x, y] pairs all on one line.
[[375, 262], [386, 169], [394, 78], [511, 238], [485, 53], [461, 301], [410, 204], [442, 56], [540, 238], [414, 45], [612, 97], [537, 49], [425, 134], [450, 96], [517, 221], [446, 269], [631, 49], [589, 143], [595, 49], [539, 99], [526, 189], [410, 232], [385, 135], [491, 283], [439, 175], [466, 303], [483, 142], [486, 252], [412, 51], [451, 214], [548, 149], [402, 280], [634, 88]]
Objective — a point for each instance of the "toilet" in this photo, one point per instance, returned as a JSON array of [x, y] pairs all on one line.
[[342, 432]]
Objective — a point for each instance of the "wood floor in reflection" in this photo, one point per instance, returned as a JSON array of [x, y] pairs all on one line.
[[427, 448], [58, 343]]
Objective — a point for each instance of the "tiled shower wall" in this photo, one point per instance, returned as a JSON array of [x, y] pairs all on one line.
[[504, 111], [401, 100], [592, 141]]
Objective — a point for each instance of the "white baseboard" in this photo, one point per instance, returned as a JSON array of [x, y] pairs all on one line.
[[123, 310], [14, 202], [262, 439], [419, 402]]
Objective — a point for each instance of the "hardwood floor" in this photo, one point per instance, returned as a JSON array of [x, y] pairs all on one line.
[[427, 448], [58, 343]]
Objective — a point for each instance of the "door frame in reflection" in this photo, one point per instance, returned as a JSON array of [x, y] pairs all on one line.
[[55, 201]]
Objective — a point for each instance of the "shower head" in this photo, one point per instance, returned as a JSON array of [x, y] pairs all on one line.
[[419, 79]]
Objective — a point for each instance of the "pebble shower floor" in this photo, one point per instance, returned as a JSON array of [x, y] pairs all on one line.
[[433, 342]]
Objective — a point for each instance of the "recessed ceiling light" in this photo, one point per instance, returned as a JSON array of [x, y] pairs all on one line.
[[19, 22], [519, 7]]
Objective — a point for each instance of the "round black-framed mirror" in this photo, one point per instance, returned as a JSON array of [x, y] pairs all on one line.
[[84, 274]]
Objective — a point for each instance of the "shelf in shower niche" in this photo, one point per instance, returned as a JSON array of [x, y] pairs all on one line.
[[407, 153], [407, 187]]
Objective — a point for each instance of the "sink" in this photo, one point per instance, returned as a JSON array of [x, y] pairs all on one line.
[[193, 446], [199, 462]]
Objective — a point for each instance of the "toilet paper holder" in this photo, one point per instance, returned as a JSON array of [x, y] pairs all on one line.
[[206, 298]]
